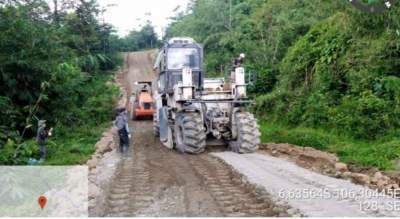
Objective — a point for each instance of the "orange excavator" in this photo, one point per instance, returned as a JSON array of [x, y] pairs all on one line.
[[141, 101]]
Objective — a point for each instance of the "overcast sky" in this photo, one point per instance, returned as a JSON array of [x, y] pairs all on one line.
[[130, 14]]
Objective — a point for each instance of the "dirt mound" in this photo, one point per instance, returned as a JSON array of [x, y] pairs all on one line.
[[306, 157], [328, 164]]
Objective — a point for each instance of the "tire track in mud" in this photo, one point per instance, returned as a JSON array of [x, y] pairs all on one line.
[[236, 197], [177, 189], [156, 181], [130, 190], [119, 195], [232, 196], [141, 193]]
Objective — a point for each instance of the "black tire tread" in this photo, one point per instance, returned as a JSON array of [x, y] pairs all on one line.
[[248, 137], [194, 136]]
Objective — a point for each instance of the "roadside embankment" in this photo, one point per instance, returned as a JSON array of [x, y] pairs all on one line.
[[329, 164], [104, 161]]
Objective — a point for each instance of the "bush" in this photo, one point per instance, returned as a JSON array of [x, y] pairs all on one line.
[[335, 79], [365, 117]]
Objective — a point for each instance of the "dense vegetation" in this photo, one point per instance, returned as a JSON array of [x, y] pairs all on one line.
[[145, 38], [54, 64], [327, 72]]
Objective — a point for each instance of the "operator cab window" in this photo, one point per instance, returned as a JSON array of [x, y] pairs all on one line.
[[183, 57], [174, 79]]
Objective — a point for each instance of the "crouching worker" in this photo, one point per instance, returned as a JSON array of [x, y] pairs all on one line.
[[121, 123], [42, 134]]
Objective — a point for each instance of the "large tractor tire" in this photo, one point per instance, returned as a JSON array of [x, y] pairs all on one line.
[[190, 136], [247, 132]]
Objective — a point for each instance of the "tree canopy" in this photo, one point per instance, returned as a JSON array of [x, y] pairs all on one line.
[[145, 38]]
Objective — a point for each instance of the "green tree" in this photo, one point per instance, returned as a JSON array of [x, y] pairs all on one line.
[[145, 38]]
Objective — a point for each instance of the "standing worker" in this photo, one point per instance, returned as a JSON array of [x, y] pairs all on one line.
[[42, 135], [121, 123], [237, 62]]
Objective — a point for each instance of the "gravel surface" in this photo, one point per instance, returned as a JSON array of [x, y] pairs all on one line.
[[310, 193]]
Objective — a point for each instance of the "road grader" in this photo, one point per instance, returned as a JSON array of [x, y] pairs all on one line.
[[192, 111]]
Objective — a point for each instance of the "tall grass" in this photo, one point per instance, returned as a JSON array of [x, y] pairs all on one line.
[[381, 154]]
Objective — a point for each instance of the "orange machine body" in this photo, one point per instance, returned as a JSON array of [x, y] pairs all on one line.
[[144, 106]]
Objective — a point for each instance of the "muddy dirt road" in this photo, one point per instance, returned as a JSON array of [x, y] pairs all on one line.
[[138, 67], [155, 181]]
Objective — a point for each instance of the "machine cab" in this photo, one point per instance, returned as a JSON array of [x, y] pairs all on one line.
[[177, 54]]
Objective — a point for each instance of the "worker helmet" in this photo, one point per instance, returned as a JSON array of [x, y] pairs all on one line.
[[41, 123]]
